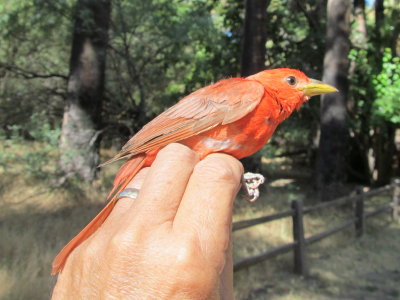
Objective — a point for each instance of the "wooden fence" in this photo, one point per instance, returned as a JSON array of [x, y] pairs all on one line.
[[297, 212]]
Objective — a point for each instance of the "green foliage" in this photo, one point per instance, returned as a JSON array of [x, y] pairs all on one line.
[[374, 95], [387, 87], [361, 89], [35, 155], [295, 35], [158, 52], [161, 50], [34, 41]]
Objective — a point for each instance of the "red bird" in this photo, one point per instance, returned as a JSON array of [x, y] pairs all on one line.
[[236, 116]]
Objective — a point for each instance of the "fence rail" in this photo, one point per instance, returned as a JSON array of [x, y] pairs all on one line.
[[297, 212], [248, 223]]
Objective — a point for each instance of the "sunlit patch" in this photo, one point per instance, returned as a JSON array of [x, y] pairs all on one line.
[[281, 182]]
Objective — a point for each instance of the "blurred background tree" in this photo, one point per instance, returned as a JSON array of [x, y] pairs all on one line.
[[79, 141], [158, 51], [331, 161], [254, 55]]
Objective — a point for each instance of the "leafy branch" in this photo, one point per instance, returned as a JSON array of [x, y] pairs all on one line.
[[27, 74]]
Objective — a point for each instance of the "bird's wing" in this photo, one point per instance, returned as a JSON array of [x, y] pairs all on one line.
[[221, 103]]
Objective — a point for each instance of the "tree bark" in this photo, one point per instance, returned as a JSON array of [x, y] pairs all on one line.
[[80, 138], [379, 17], [385, 149], [384, 137], [360, 30], [359, 168], [253, 54], [334, 128]]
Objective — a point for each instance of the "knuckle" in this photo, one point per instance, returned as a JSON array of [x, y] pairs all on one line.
[[221, 167], [91, 250], [120, 241], [185, 255], [196, 272], [178, 152]]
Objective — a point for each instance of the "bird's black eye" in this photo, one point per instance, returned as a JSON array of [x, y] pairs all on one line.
[[291, 80]]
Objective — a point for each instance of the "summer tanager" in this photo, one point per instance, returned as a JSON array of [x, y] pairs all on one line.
[[236, 116]]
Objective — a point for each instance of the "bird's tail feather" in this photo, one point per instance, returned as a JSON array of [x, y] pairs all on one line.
[[124, 176]]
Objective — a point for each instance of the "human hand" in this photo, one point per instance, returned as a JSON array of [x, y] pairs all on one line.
[[171, 242]]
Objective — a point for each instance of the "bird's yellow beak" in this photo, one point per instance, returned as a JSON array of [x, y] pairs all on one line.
[[316, 87]]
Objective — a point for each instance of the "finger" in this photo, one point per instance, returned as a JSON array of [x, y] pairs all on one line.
[[164, 185], [226, 277], [124, 203], [206, 207], [115, 218]]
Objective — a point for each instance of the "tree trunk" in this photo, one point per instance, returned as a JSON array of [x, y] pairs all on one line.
[[360, 30], [385, 149], [359, 168], [379, 149], [379, 17], [253, 54], [384, 137], [80, 139], [334, 132], [378, 30]]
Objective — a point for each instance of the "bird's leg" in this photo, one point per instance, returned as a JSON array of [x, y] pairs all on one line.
[[251, 182]]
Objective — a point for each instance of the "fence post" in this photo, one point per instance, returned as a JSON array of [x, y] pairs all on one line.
[[300, 266], [359, 212], [396, 199]]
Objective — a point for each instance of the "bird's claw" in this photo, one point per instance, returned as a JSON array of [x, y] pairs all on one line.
[[251, 182]]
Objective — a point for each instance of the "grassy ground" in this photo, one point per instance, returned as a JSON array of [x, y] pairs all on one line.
[[341, 267], [36, 221]]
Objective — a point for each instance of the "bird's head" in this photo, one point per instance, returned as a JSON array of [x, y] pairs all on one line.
[[291, 87]]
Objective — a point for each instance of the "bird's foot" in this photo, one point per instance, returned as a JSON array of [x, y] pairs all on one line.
[[251, 182]]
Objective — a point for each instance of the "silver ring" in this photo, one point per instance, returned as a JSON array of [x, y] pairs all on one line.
[[128, 193]]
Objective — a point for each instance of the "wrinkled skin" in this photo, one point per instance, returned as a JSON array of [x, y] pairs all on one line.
[[172, 242]]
